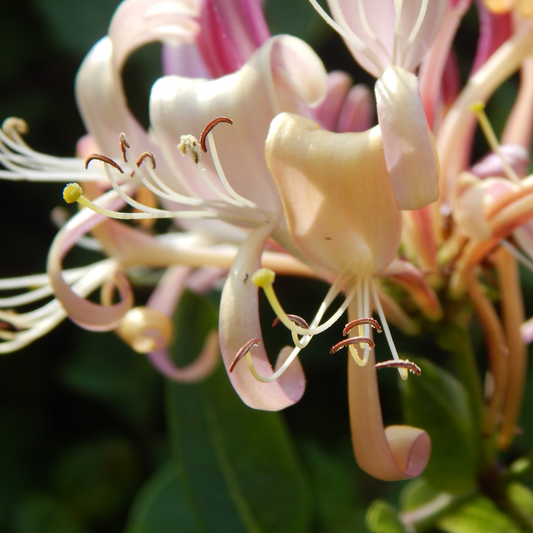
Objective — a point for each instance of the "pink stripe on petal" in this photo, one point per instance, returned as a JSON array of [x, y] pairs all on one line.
[[239, 323], [494, 31], [232, 30]]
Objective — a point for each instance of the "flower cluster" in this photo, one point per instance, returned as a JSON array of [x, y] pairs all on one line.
[[299, 182]]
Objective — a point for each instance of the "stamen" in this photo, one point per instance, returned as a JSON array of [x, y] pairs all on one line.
[[189, 143], [295, 318], [479, 109], [142, 157], [15, 125], [264, 278], [358, 322], [242, 352], [123, 145], [209, 127], [386, 330], [352, 340], [402, 363], [104, 159]]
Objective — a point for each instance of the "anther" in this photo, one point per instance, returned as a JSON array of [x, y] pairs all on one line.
[[142, 157], [242, 352], [360, 321], [352, 340], [263, 277], [15, 124], [209, 127], [402, 363], [72, 192], [104, 159], [123, 145], [295, 318], [190, 143]]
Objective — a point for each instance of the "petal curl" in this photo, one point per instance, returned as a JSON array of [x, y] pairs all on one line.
[[85, 313], [408, 144], [392, 453], [336, 193], [239, 322]]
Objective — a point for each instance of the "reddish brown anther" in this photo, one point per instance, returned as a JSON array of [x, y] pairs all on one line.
[[142, 157], [298, 320], [209, 127], [402, 363], [359, 322], [242, 352], [123, 145], [104, 159], [352, 340]]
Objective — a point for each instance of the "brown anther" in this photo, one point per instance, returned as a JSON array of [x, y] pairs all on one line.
[[104, 159], [402, 363], [242, 352], [209, 127], [298, 320], [142, 157], [352, 340], [359, 322], [123, 145]]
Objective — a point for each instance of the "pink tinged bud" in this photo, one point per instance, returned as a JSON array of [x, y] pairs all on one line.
[[491, 165], [409, 148], [239, 324], [358, 111], [336, 194], [392, 453], [231, 31], [471, 212], [329, 111]]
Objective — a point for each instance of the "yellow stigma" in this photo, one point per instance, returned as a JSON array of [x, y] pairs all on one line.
[[263, 277], [72, 192], [477, 107]]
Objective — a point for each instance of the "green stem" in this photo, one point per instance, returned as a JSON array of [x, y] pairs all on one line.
[[455, 339]]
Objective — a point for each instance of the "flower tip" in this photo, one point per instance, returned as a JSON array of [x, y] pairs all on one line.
[[72, 192], [146, 329], [263, 277]]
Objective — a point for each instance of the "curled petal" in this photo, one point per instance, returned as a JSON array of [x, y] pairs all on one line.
[[408, 144], [239, 322], [85, 313], [397, 452], [491, 165], [199, 369], [165, 299], [336, 193], [284, 74]]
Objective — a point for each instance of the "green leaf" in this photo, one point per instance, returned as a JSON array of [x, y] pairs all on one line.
[[381, 517], [237, 465], [38, 513], [438, 403], [479, 516], [161, 507], [522, 497]]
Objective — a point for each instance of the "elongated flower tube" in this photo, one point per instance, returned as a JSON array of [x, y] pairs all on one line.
[[342, 214]]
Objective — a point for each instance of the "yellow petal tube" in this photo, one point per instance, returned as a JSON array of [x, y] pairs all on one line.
[[336, 194]]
